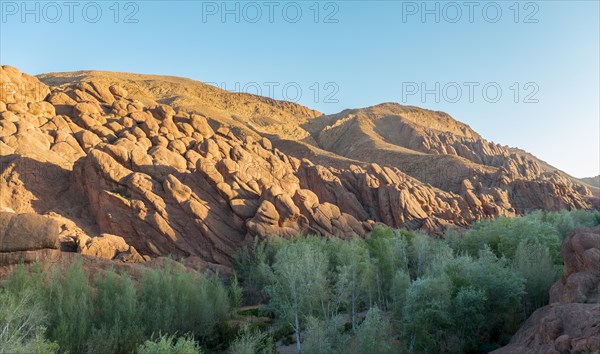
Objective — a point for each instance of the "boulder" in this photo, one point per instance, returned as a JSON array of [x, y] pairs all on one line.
[[110, 247], [27, 232]]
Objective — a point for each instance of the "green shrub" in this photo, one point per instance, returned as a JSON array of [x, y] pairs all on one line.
[[249, 342], [502, 286], [324, 337], [117, 327], [236, 293], [170, 345], [427, 313], [21, 324], [534, 263], [467, 293], [69, 305], [468, 318], [585, 218], [175, 301], [251, 265], [503, 235], [374, 334]]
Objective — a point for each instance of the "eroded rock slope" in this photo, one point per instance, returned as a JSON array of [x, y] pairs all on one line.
[[175, 180]]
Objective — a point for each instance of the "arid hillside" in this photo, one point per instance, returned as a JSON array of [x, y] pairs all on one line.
[[249, 114], [172, 166], [592, 181]]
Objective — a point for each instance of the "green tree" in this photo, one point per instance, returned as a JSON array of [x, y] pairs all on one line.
[[585, 218], [388, 249], [400, 285], [427, 313], [374, 334], [534, 263], [351, 273], [502, 286], [299, 287], [324, 337], [173, 300], [468, 317], [503, 235], [251, 265]]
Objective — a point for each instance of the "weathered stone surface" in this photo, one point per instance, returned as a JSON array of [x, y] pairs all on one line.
[[571, 323], [110, 247], [27, 232], [200, 179], [581, 278]]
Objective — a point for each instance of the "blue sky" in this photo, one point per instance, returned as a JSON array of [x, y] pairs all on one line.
[[346, 54]]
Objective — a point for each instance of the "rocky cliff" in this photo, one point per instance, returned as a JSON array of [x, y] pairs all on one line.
[[571, 323], [182, 168]]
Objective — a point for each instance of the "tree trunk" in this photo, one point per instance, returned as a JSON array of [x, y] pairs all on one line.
[[353, 312], [412, 344], [297, 329]]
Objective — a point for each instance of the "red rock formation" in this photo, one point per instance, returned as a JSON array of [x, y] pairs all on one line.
[[174, 181], [571, 323]]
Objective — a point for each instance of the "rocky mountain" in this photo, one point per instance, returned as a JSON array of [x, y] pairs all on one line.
[[592, 181], [174, 166], [571, 323]]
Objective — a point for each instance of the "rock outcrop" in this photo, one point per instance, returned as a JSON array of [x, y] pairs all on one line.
[[108, 156], [436, 149], [571, 323], [27, 237]]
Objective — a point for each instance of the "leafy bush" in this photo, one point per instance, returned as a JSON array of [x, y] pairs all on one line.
[[251, 265], [469, 317], [374, 334], [534, 263], [236, 293], [566, 221], [175, 301], [111, 315], [21, 325], [252, 342], [117, 327], [324, 337], [170, 345], [427, 313], [465, 293], [503, 235], [502, 287], [70, 308]]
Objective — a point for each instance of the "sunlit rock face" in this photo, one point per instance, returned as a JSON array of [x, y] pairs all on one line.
[[171, 166]]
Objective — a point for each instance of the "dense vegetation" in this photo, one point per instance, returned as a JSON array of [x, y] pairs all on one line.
[[395, 291]]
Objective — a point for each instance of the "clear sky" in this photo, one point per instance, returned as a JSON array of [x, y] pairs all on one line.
[[461, 57]]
